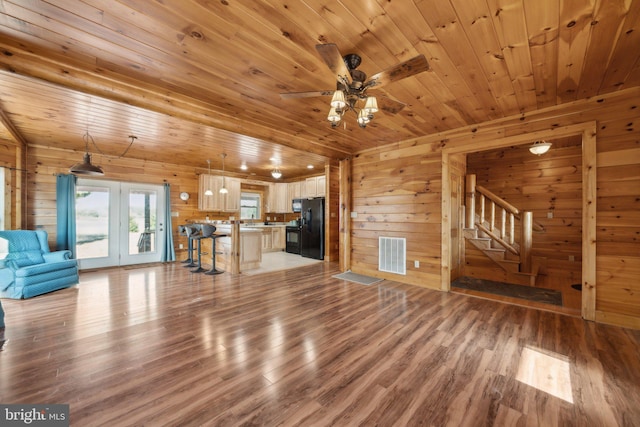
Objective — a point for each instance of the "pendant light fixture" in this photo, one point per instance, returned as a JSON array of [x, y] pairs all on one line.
[[223, 190], [276, 173], [208, 191], [85, 167]]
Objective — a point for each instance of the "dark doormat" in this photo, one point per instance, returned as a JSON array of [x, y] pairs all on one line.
[[547, 296]]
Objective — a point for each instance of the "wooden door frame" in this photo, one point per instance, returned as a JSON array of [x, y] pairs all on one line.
[[587, 131]]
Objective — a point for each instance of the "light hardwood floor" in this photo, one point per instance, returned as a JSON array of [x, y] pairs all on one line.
[[158, 345]]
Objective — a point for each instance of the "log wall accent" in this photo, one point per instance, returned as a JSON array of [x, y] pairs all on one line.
[[397, 189], [332, 208]]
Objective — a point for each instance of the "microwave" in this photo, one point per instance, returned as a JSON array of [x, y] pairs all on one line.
[[296, 205]]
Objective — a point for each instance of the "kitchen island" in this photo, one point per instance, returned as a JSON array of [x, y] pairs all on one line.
[[247, 254]]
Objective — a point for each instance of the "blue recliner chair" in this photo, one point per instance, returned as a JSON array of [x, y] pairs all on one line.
[[28, 268]]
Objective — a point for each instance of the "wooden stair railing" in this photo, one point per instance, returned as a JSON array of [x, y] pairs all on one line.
[[491, 205]]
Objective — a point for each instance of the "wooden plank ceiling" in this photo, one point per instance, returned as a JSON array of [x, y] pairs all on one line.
[[192, 79]]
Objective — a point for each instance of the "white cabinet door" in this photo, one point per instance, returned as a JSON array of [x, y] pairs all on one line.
[[311, 187], [232, 198], [212, 202], [293, 192], [321, 185]]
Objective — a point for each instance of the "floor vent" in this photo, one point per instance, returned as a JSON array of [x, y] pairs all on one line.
[[392, 255]]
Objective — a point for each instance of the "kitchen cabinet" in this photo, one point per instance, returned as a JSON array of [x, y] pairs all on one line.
[[293, 189], [278, 238], [278, 198], [321, 186], [273, 238], [217, 202], [250, 250], [315, 186]]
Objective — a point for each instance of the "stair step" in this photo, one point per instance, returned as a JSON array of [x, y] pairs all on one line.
[[510, 265], [481, 242], [470, 233]]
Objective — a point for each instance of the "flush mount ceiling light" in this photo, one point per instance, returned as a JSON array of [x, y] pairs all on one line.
[[208, 191], [540, 147], [223, 190], [85, 167], [352, 85]]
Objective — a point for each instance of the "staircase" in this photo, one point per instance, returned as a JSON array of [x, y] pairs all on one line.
[[491, 225]]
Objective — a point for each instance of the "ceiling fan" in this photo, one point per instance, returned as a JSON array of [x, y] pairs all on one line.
[[352, 85]]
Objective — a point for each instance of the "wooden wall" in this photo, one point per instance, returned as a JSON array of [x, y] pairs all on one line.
[[547, 185], [43, 163], [8, 161], [396, 192], [332, 206]]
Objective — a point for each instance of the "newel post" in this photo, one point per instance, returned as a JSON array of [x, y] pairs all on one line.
[[470, 201], [526, 241]]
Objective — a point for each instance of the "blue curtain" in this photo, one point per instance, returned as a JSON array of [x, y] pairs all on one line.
[[168, 251], [66, 213]]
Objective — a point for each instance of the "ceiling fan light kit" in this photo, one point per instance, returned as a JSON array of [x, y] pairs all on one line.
[[540, 147], [351, 92]]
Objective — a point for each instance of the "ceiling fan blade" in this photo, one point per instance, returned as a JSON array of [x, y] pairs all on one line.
[[403, 70], [389, 105], [333, 58], [306, 94]]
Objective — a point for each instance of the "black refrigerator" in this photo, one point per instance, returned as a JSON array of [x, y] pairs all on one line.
[[312, 228]]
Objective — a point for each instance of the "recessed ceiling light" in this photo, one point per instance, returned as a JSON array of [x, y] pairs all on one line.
[[309, 166]]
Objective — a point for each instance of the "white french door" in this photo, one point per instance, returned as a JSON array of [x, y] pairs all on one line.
[[118, 223]]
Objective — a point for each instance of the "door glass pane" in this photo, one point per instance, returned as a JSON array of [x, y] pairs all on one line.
[[92, 222], [142, 221]]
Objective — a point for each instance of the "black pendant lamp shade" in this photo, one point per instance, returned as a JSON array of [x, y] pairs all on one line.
[[85, 167]]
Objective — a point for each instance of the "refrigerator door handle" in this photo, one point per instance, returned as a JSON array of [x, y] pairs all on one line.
[[308, 218]]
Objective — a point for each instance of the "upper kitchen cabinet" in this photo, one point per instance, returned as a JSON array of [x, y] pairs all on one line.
[[315, 186], [278, 198], [217, 202], [294, 190]]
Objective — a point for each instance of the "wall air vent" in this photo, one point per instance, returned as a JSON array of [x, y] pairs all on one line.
[[392, 256]]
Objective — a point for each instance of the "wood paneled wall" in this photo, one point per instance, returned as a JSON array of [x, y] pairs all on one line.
[[547, 185], [44, 163], [8, 160], [332, 206], [396, 192]]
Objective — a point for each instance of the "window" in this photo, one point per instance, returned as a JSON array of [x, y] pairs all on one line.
[[250, 205]]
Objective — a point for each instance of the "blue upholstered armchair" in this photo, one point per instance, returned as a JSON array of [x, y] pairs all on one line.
[[28, 268]]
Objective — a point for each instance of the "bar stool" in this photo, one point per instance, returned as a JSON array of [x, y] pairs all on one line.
[[182, 231], [206, 231], [192, 231], [214, 270]]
